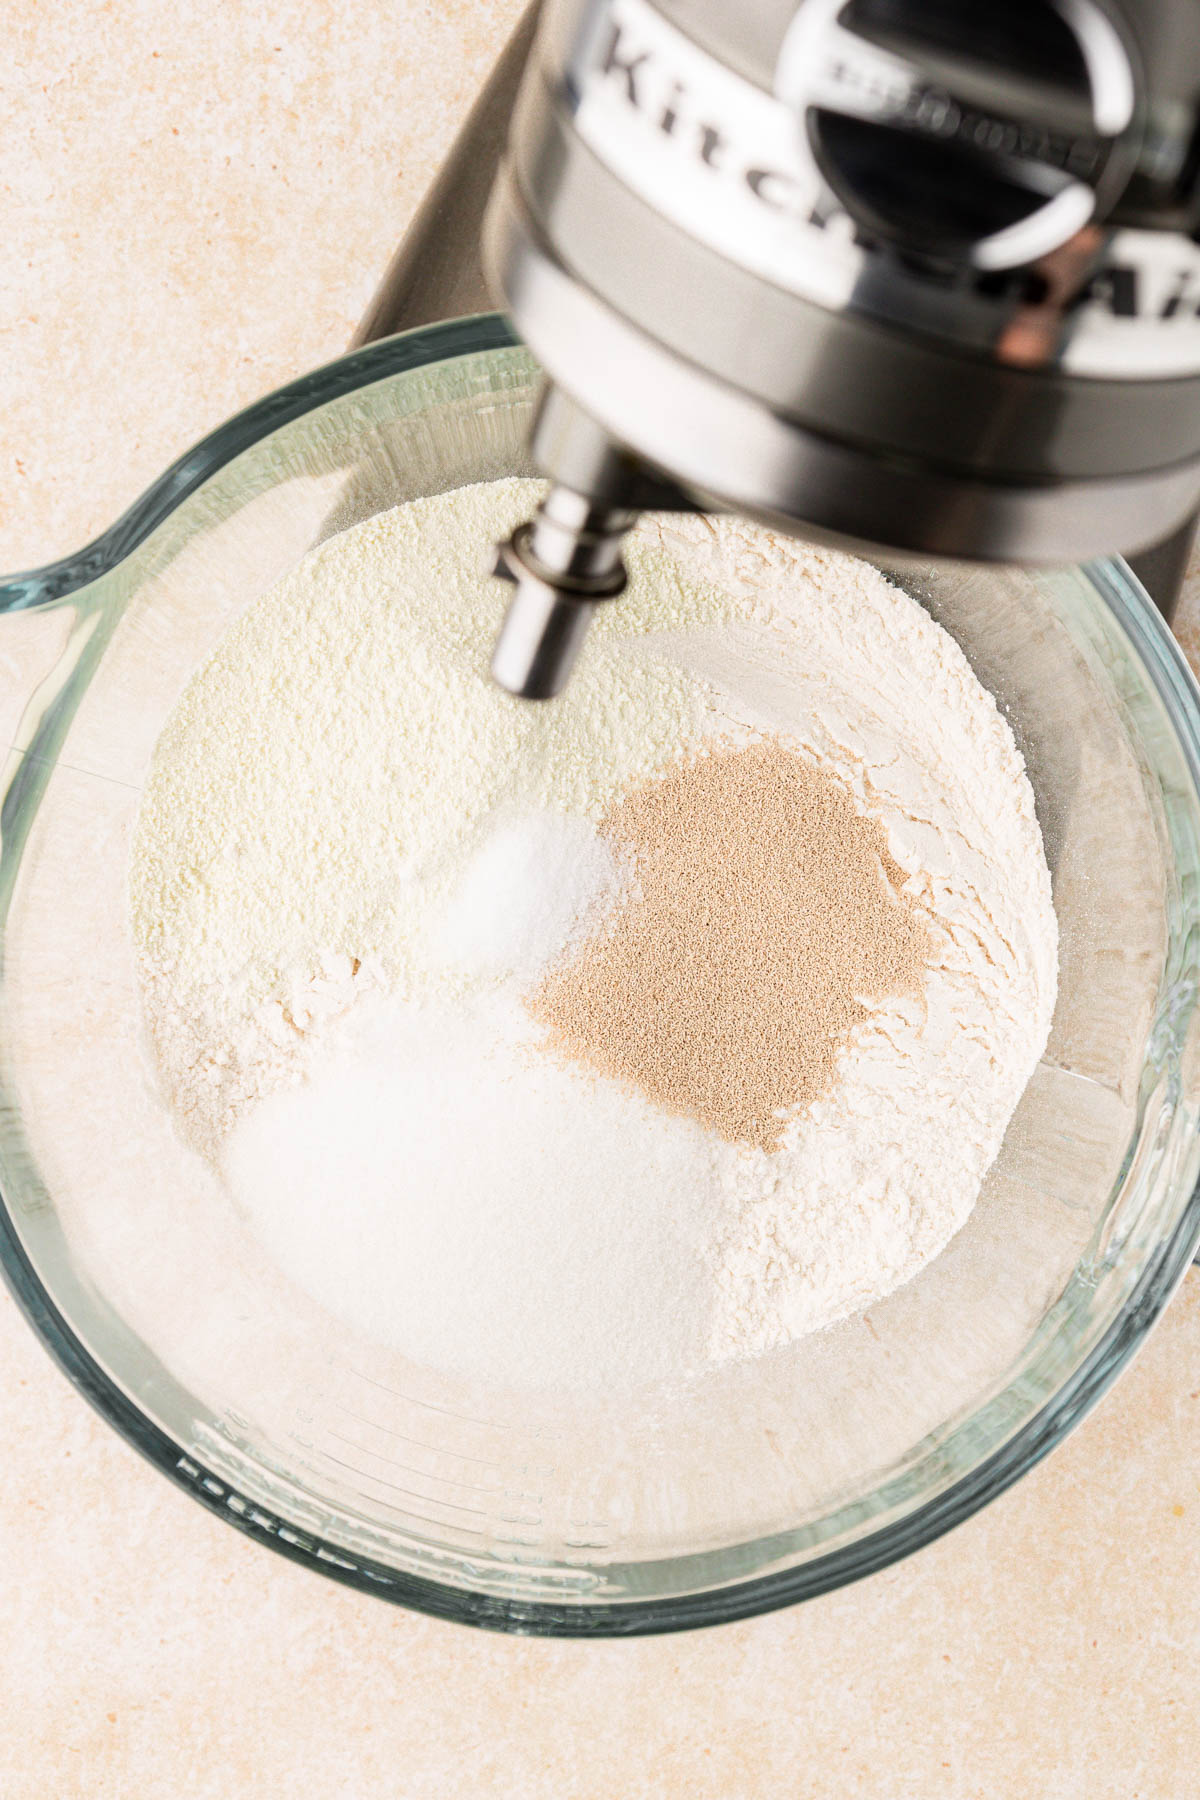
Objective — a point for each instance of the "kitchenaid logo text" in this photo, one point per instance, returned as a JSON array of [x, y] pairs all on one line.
[[1127, 292], [730, 164], [657, 94]]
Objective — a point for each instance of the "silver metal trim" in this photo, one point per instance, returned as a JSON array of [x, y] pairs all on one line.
[[733, 450], [1044, 230], [1107, 64]]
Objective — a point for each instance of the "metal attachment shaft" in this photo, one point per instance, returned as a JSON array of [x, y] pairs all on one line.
[[563, 563]]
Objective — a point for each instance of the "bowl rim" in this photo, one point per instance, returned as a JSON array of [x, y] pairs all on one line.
[[30, 588], [889, 1542]]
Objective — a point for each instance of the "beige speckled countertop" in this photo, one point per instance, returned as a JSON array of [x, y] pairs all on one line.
[[195, 203]]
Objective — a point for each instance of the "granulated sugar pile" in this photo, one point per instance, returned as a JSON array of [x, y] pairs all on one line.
[[593, 1043]]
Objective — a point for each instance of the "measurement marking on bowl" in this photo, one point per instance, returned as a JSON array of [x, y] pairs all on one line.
[[410, 1512], [267, 1522], [470, 1486], [500, 1490], [520, 1508], [434, 1449], [540, 1432], [540, 1473], [524, 1543], [509, 1515]]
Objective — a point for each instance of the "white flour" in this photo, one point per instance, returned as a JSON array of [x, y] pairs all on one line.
[[354, 853]]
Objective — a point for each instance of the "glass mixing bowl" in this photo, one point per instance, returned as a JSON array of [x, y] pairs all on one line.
[[771, 1482]]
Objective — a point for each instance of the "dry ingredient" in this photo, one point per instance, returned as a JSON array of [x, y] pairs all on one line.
[[763, 929], [332, 768], [397, 935], [484, 1208]]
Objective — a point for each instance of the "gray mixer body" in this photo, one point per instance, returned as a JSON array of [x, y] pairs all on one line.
[[919, 274]]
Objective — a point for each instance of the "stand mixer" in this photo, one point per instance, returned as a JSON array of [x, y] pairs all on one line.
[[901, 273]]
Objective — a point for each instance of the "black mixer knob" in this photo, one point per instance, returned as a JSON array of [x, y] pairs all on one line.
[[984, 133]]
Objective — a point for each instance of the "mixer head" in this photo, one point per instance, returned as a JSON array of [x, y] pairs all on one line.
[[912, 273]]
